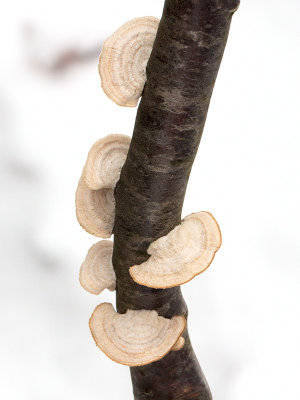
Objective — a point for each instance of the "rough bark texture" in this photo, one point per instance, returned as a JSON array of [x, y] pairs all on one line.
[[149, 195]]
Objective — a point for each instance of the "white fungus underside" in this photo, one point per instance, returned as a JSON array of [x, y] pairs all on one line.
[[135, 338], [123, 60], [182, 254], [105, 161], [96, 272], [95, 210]]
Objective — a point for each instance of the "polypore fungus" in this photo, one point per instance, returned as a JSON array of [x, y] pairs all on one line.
[[95, 210], [123, 60], [97, 272], [105, 160], [182, 254], [179, 344], [135, 338], [95, 203]]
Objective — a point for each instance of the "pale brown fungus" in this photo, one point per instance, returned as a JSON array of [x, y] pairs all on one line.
[[137, 337], [105, 160], [179, 344], [182, 254], [123, 60], [95, 210], [97, 272]]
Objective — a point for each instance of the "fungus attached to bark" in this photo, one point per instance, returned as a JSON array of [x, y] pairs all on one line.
[[123, 60], [149, 195], [179, 344], [182, 254], [95, 210], [95, 203], [137, 337], [97, 272], [105, 160]]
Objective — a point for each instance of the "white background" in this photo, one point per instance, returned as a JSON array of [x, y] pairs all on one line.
[[244, 310]]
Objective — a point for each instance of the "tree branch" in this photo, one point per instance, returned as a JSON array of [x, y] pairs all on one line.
[[149, 195]]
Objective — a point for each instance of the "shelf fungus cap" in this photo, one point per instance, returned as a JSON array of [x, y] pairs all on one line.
[[97, 272], [182, 254], [105, 160], [179, 344], [123, 60], [95, 210], [135, 338]]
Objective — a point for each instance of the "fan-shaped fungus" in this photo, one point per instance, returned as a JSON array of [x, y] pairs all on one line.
[[105, 160], [182, 254], [95, 210], [97, 272], [135, 338], [123, 60]]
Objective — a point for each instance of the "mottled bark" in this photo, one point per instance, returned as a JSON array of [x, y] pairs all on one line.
[[149, 195]]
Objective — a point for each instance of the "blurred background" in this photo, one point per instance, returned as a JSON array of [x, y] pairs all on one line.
[[244, 310]]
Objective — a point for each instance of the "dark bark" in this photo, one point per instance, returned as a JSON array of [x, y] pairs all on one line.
[[149, 195]]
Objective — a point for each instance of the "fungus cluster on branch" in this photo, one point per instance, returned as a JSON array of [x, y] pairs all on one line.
[[138, 337], [95, 203]]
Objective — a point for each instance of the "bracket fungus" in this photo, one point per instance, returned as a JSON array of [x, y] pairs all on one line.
[[105, 160], [123, 60], [97, 272], [182, 254], [179, 344], [137, 337], [95, 210], [95, 202], [173, 64]]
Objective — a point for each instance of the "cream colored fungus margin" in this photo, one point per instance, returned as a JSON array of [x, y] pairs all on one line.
[[182, 254], [95, 203], [137, 337], [123, 60]]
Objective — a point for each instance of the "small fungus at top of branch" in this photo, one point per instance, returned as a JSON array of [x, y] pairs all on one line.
[[97, 272], [137, 337], [123, 60], [182, 254]]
